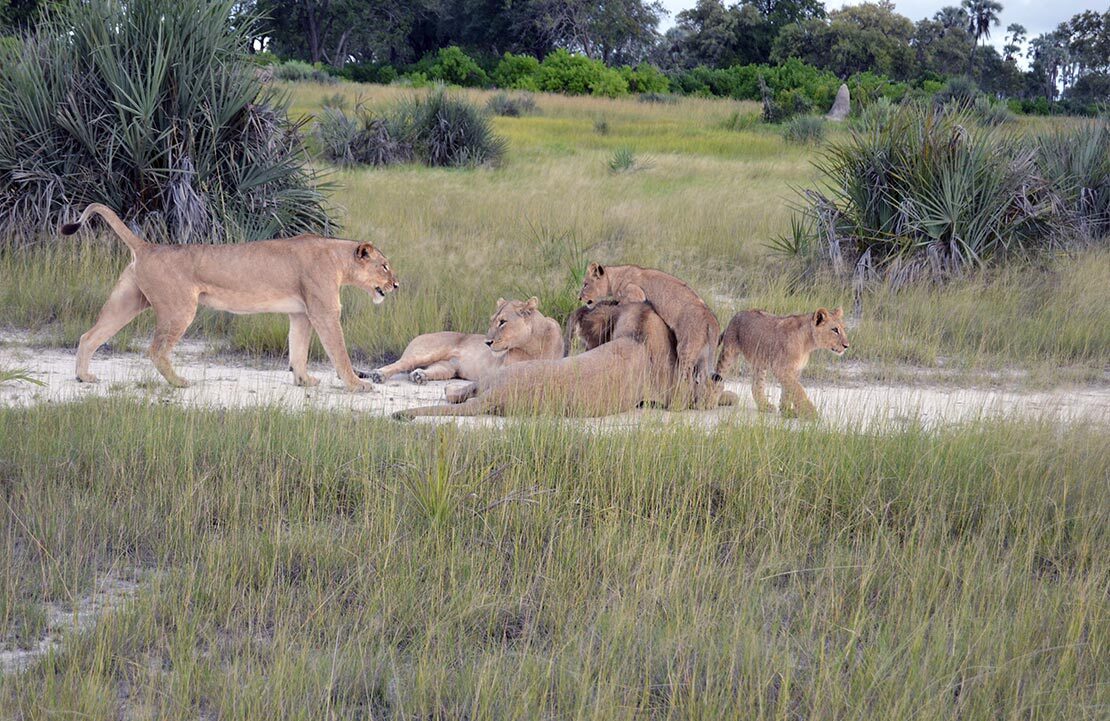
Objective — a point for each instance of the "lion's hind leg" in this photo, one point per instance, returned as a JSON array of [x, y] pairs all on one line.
[[125, 302]]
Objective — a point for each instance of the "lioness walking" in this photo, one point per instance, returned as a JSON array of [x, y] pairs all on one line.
[[695, 327], [781, 344], [518, 332], [299, 276]]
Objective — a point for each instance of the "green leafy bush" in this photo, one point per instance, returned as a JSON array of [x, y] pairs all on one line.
[[369, 73], [645, 78], [517, 72], [563, 72], [452, 66], [106, 104]]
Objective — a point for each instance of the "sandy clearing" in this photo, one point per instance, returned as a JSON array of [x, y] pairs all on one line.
[[223, 382], [110, 593]]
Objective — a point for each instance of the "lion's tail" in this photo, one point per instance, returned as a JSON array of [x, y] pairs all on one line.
[[134, 242], [470, 407]]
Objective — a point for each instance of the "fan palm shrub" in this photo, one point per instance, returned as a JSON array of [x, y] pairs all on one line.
[[1077, 162], [152, 108], [931, 190]]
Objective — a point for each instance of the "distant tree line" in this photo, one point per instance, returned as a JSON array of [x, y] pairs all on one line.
[[1070, 62]]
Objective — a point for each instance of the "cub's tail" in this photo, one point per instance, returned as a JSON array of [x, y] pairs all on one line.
[[134, 242]]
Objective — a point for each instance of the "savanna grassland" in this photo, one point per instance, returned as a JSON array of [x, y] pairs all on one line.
[[333, 565]]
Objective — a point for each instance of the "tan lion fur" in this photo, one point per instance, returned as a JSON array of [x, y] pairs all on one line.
[[782, 345], [695, 327], [517, 332], [298, 276], [636, 366]]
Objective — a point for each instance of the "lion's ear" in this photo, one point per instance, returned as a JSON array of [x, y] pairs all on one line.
[[838, 313], [820, 316], [364, 251], [532, 303], [595, 270]]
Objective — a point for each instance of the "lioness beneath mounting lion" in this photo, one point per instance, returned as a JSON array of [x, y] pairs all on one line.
[[299, 276], [636, 366], [518, 332], [781, 344], [695, 327]]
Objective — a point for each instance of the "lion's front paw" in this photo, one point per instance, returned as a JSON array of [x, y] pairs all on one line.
[[87, 378], [361, 387], [306, 381], [418, 376]]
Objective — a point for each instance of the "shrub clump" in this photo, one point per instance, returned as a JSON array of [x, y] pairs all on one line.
[[563, 72], [512, 106], [104, 103], [804, 129], [298, 71], [517, 72], [452, 66], [931, 192], [438, 129]]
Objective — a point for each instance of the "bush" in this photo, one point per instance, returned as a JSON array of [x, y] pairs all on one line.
[[658, 98], [989, 113], [610, 84], [297, 71], [875, 116], [1077, 162], [369, 73], [563, 72], [623, 160], [804, 129], [365, 140], [517, 72], [106, 104], [739, 121], [932, 192], [645, 78], [452, 66], [437, 129], [959, 91], [512, 106]]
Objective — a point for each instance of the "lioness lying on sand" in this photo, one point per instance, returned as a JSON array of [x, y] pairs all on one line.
[[781, 344], [300, 276], [695, 327], [518, 332], [635, 367]]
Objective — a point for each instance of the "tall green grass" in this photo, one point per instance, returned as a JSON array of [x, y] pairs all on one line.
[[328, 565]]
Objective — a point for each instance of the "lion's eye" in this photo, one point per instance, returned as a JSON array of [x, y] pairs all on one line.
[[501, 322], [836, 330]]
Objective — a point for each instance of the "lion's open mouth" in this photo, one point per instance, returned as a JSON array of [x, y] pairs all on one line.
[[839, 351], [379, 295]]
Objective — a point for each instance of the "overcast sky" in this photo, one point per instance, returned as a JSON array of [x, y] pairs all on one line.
[[1038, 16]]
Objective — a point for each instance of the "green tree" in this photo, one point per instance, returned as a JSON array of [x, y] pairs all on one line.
[[981, 14], [1015, 38]]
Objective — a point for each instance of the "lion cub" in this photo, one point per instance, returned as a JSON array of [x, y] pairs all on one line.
[[695, 327], [518, 332], [781, 344]]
